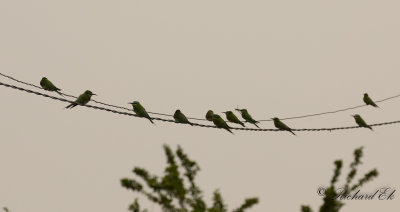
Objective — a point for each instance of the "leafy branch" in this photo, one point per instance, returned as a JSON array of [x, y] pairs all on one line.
[[176, 190]]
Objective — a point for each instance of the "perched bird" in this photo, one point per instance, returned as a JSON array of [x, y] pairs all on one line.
[[181, 118], [369, 101], [232, 118], [246, 116], [282, 126], [209, 115], [220, 123], [360, 121], [140, 111], [49, 86], [83, 99]]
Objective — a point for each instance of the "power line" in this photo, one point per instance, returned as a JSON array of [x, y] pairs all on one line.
[[335, 111], [194, 124], [102, 103], [318, 114], [201, 119]]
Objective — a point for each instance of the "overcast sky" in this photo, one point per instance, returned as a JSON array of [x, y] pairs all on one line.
[[275, 58]]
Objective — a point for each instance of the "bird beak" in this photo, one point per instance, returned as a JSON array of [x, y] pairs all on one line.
[[94, 94]]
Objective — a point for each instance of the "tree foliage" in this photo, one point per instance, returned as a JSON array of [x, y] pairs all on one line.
[[176, 190], [331, 202]]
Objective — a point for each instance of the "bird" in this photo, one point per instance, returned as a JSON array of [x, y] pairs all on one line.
[[181, 118], [49, 86], [220, 123], [246, 116], [282, 126], [232, 118], [360, 121], [140, 110], [209, 115], [369, 101], [83, 99]]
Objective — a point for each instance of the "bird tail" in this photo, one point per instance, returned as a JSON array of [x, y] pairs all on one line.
[[151, 120], [292, 132], [375, 105], [369, 127], [256, 124], [60, 93], [71, 105], [230, 131], [241, 123]]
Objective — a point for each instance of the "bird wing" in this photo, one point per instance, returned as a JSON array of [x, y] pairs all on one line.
[[142, 111], [369, 101], [248, 117], [185, 119], [180, 117], [83, 99], [283, 125], [361, 122], [52, 86], [235, 119]]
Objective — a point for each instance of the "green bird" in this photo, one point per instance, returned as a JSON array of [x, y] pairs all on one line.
[[232, 118], [360, 121], [220, 123], [140, 111], [282, 126], [181, 118], [246, 116], [83, 99], [209, 115], [49, 86], [369, 101]]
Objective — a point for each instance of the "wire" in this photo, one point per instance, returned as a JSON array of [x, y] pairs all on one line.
[[335, 111], [200, 119], [318, 114], [12, 78], [102, 103], [194, 124]]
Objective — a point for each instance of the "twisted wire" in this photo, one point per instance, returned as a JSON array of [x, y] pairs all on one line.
[[194, 124], [102, 103], [201, 119]]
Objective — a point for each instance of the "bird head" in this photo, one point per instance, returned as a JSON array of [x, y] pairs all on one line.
[[44, 78], [215, 116], [134, 103], [355, 115], [241, 110], [178, 111], [209, 115], [275, 119], [365, 94], [87, 92]]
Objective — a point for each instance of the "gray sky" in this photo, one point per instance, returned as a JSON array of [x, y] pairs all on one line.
[[276, 58]]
